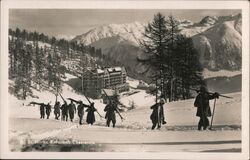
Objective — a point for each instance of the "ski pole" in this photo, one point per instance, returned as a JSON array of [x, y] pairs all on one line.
[[213, 114], [159, 115]]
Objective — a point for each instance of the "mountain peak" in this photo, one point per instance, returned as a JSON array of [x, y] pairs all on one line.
[[128, 31], [209, 20]]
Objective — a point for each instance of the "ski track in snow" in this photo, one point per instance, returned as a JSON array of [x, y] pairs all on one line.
[[52, 133], [122, 139]]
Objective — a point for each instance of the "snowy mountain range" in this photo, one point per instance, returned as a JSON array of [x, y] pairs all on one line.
[[217, 39], [129, 31]]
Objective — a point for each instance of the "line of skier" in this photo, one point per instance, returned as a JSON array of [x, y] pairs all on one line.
[[67, 111]]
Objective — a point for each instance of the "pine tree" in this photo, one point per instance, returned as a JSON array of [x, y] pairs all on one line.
[[189, 68], [41, 37], [11, 32], [54, 71], [57, 72], [11, 57], [53, 41], [67, 49], [155, 47], [172, 60], [17, 33], [17, 47], [39, 63], [49, 69], [24, 71], [24, 35], [35, 36]]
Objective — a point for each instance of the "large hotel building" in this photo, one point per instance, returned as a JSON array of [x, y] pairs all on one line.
[[94, 80]]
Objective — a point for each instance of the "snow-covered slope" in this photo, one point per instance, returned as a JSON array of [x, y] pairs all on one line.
[[27, 129], [40, 44], [22, 109], [129, 31], [66, 37], [180, 113], [220, 46]]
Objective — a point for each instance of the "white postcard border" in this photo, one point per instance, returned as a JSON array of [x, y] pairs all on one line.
[[57, 4]]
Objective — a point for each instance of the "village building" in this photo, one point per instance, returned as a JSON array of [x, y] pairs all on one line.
[[96, 79]]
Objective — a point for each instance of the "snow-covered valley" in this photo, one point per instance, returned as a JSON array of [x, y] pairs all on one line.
[[27, 132]]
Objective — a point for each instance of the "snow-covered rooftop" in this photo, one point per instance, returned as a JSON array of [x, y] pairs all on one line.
[[99, 71], [109, 92], [118, 69], [114, 69]]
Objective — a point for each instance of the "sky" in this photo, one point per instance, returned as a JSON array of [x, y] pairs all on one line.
[[67, 23]]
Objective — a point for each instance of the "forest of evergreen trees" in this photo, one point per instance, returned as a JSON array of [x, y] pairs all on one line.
[[31, 65], [173, 58]]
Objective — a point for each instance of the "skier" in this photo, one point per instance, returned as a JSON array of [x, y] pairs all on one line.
[[203, 108], [42, 110], [64, 109], [57, 110], [110, 110], [80, 110], [48, 110], [157, 115], [72, 110], [91, 114]]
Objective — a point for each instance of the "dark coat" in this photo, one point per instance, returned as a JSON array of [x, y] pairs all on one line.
[[91, 115], [155, 113], [65, 109], [72, 108], [202, 104], [80, 109], [110, 110], [48, 109], [57, 108], [42, 109]]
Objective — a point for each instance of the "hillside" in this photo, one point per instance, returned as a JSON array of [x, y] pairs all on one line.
[[128, 31], [220, 46]]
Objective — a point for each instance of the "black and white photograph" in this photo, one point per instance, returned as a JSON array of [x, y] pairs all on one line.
[[153, 80]]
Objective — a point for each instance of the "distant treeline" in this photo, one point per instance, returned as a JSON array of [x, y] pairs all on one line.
[[60, 43]]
